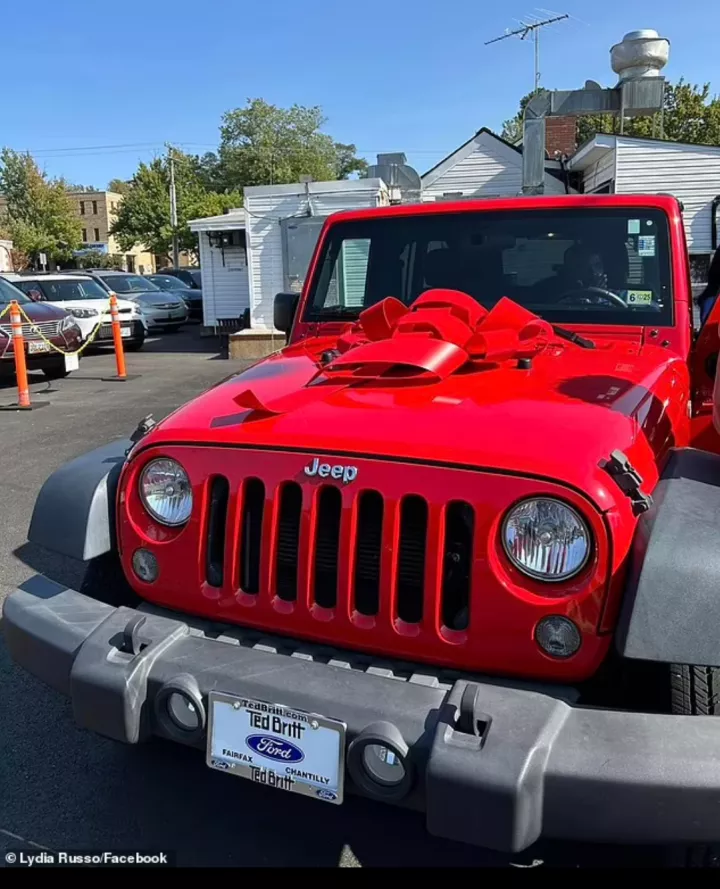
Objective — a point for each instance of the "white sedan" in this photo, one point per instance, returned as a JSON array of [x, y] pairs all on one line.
[[88, 302]]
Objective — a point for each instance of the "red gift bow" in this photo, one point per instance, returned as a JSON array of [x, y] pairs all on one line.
[[441, 332]]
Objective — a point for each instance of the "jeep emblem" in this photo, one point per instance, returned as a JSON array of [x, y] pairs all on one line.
[[346, 474]]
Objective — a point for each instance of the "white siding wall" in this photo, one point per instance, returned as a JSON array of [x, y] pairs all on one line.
[[491, 170], [226, 290], [599, 173], [263, 211], [689, 172]]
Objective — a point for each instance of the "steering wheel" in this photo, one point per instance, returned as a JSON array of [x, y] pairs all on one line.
[[594, 295]]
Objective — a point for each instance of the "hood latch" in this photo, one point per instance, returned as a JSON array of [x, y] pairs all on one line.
[[628, 479]]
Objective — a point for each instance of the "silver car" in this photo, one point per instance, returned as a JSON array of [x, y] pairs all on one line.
[[161, 310]]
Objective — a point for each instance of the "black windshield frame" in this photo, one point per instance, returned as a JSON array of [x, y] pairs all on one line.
[[627, 225]]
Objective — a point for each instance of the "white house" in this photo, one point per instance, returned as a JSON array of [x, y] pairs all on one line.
[[486, 166], [282, 223], [223, 267], [625, 165]]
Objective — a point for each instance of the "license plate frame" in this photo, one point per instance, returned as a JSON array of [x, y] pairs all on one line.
[[230, 714], [125, 332], [39, 347]]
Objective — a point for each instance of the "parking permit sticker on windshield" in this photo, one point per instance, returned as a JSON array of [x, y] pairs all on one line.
[[646, 245], [639, 297], [633, 226]]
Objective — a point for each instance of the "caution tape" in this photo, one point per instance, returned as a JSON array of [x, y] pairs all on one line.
[[36, 330], [6, 309]]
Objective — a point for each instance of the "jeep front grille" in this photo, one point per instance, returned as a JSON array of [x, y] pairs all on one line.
[[305, 545]]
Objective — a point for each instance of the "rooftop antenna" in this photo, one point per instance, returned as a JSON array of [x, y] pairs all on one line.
[[531, 28]]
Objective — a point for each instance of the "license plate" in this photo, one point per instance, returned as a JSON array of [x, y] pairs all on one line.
[[125, 331], [34, 348], [277, 746]]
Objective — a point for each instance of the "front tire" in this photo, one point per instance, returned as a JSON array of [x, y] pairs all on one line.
[[695, 691], [105, 581]]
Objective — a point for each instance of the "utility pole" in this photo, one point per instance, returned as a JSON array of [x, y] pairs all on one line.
[[173, 210], [531, 28]]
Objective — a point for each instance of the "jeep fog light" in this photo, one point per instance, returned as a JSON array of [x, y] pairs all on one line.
[[383, 765], [165, 492], [379, 762], [557, 636], [183, 712], [145, 565], [546, 539]]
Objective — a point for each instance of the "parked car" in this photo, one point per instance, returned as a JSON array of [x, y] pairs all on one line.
[[191, 296], [87, 301], [55, 324], [162, 311], [192, 277]]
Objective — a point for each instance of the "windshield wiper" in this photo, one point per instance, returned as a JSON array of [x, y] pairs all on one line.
[[573, 337]]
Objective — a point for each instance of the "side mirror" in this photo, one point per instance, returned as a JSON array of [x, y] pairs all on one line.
[[284, 310]]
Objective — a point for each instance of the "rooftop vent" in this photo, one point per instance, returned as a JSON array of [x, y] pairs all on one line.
[[402, 180], [640, 54]]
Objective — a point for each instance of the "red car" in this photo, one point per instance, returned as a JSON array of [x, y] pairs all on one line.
[[53, 323], [453, 548]]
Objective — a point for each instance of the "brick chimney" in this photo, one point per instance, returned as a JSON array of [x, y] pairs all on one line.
[[560, 136]]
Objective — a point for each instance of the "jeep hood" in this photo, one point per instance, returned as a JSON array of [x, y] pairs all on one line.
[[538, 406]]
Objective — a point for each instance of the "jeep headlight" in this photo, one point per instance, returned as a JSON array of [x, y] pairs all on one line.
[[165, 492], [546, 539]]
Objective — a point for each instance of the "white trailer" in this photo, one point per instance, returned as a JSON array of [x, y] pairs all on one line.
[[282, 224], [223, 267]]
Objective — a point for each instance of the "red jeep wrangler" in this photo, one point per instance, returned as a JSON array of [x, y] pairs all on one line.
[[455, 547]]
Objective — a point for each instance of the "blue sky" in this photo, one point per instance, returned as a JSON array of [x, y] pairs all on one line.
[[413, 77]]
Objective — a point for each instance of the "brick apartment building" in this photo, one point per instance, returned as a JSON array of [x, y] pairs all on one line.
[[97, 210]]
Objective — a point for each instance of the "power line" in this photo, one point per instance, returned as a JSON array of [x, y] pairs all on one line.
[[531, 28]]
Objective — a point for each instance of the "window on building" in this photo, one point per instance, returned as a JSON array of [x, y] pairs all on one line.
[[84, 235], [82, 208], [95, 208], [97, 234]]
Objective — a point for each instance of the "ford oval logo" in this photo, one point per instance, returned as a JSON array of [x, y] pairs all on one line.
[[328, 795], [274, 748]]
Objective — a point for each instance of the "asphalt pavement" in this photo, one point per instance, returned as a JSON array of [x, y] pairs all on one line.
[[62, 788]]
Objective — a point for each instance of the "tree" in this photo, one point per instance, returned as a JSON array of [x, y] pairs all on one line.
[[38, 215], [119, 186], [72, 187], [144, 214], [262, 144], [348, 162]]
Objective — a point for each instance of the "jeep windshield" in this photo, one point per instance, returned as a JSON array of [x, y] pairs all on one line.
[[570, 266]]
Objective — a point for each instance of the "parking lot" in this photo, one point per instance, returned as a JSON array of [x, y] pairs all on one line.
[[61, 788]]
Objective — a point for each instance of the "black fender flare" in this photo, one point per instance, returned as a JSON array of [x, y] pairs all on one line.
[[74, 514], [671, 608]]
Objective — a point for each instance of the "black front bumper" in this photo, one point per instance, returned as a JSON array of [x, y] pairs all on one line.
[[518, 765]]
